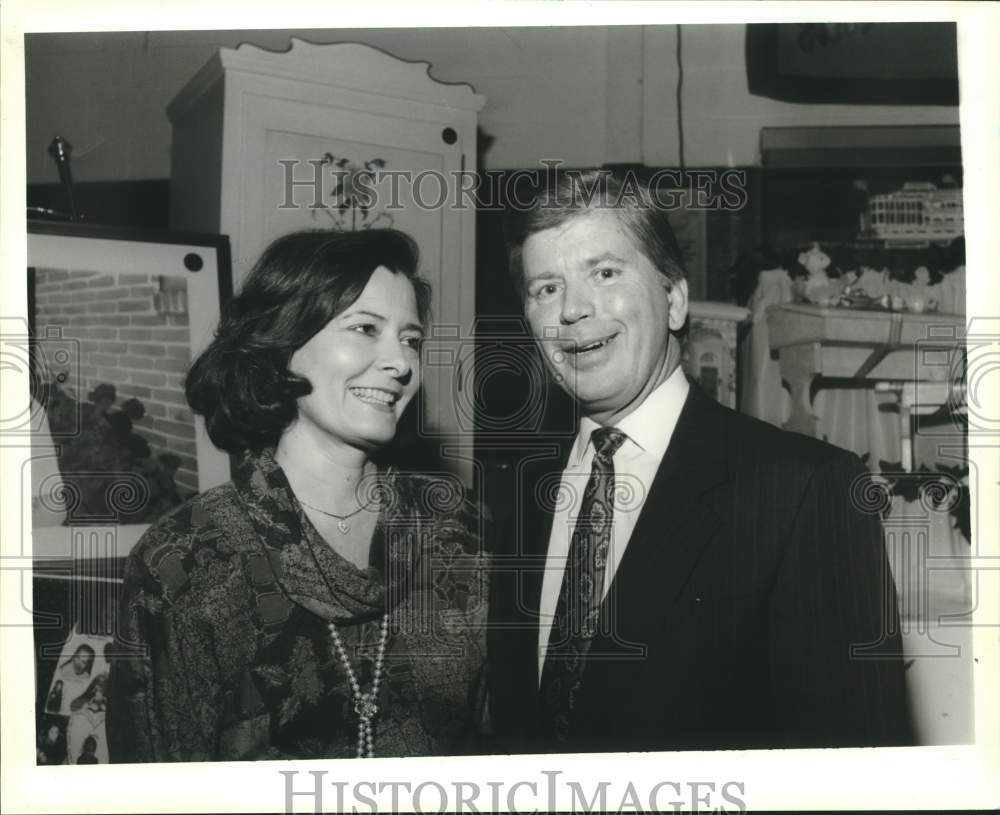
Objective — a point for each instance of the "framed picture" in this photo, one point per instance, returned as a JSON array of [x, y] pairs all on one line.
[[913, 63], [116, 317]]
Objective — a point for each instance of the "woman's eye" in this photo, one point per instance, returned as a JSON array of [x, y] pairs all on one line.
[[412, 342], [368, 329]]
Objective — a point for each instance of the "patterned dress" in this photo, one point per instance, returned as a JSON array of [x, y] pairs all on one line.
[[225, 652]]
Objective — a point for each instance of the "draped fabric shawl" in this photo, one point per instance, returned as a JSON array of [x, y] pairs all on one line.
[[224, 650]]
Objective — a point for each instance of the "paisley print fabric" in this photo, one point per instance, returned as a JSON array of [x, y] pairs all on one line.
[[224, 651]]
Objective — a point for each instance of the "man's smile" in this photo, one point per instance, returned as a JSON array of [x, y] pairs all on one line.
[[587, 349]]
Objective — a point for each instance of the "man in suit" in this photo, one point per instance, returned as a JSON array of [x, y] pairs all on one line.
[[677, 575]]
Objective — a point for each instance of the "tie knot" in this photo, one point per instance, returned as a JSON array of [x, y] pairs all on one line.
[[606, 441]]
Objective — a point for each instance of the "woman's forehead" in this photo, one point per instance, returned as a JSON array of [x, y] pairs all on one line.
[[389, 295]]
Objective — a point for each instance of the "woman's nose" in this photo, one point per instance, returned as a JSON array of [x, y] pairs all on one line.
[[394, 359]]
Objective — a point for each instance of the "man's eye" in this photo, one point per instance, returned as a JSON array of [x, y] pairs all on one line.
[[607, 273], [543, 292]]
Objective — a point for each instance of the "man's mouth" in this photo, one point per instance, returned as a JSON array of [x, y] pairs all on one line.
[[376, 396], [580, 350]]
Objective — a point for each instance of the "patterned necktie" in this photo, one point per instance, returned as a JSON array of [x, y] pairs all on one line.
[[580, 595]]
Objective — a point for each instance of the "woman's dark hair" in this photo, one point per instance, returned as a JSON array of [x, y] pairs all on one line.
[[241, 383]]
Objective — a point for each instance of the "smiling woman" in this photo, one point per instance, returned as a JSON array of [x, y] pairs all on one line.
[[326, 602], [364, 367]]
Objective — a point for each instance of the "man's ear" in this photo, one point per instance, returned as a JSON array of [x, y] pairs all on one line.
[[678, 294]]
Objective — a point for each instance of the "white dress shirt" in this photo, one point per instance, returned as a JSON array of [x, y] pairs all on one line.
[[649, 428]]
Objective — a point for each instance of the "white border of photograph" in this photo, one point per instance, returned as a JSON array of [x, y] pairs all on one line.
[[886, 778]]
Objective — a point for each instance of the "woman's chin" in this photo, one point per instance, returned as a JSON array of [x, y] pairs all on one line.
[[376, 435]]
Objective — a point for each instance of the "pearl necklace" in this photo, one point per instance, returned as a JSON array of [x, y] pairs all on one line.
[[365, 704]]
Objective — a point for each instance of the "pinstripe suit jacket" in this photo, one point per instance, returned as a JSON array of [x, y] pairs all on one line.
[[753, 607]]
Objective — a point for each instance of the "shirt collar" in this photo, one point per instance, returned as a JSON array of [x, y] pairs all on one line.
[[651, 425]]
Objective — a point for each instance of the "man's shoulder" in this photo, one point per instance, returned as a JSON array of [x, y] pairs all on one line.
[[754, 443]]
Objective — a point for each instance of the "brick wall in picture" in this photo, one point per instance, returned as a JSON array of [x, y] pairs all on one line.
[[126, 342]]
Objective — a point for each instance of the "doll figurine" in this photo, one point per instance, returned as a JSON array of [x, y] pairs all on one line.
[[917, 297], [817, 286]]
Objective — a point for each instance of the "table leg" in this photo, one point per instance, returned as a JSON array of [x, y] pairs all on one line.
[[800, 365]]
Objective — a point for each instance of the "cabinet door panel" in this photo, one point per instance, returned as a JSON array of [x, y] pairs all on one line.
[[294, 131], [421, 201]]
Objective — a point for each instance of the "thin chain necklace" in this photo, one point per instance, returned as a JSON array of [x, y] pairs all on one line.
[[365, 704], [342, 523]]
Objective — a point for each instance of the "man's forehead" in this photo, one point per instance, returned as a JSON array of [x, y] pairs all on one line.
[[591, 237]]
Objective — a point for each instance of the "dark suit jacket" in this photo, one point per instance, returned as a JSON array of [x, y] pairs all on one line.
[[753, 607]]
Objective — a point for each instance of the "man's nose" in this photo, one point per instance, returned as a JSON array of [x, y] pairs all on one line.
[[577, 304]]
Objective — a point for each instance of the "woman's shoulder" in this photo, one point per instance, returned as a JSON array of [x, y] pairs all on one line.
[[198, 530], [451, 518], [204, 512], [439, 497]]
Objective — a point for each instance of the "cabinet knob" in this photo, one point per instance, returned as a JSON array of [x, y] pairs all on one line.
[[449, 136]]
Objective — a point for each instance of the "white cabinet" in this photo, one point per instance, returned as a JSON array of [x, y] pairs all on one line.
[[264, 143]]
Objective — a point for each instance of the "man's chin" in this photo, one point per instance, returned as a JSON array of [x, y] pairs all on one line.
[[593, 403]]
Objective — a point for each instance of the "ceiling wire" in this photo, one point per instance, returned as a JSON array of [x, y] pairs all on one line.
[[680, 100]]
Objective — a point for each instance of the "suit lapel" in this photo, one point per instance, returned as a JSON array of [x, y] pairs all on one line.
[[676, 522], [542, 475]]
